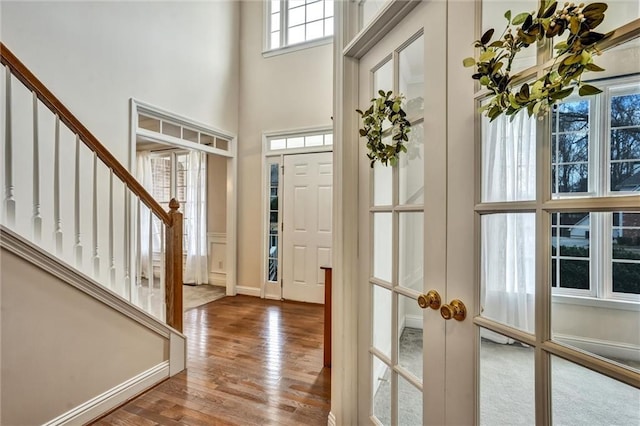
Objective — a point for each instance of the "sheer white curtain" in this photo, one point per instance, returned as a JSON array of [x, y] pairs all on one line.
[[144, 174], [195, 220], [508, 239]]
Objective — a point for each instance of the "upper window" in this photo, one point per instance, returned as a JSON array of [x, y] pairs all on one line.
[[595, 151], [291, 22], [595, 148]]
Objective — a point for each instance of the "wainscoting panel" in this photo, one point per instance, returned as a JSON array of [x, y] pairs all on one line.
[[217, 244]]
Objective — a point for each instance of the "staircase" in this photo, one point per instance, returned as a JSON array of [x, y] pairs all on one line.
[[91, 267]]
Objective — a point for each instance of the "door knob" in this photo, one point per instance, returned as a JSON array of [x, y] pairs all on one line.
[[455, 310], [431, 299]]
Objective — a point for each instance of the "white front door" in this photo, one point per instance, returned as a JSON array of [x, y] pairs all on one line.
[[417, 367], [307, 226]]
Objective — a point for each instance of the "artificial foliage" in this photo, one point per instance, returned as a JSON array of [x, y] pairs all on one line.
[[572, 57], [385, 108]]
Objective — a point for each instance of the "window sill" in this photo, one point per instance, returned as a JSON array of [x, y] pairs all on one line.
[[299, 46], [626, 305]]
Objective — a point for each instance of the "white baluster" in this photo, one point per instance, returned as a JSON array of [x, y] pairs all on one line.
[[150, 242], [37, 220], [96, 257], [78, 244], [9, 201], [138, 251], [56, 190], [127, 241], [162, 301], [112, 263]]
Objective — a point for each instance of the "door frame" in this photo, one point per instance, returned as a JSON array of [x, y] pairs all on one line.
[[140, 107], [350, 44], [271, 289]]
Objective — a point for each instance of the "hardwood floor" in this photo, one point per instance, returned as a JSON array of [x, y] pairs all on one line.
[[250, 362]]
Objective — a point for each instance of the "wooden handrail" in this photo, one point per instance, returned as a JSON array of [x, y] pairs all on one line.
[[20, 71]]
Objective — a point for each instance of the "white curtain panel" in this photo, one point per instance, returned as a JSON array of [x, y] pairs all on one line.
[[145, 177], [195, 220], [508, 239]]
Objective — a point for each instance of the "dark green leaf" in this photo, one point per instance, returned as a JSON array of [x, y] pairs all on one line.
[[507, 15], [593, 67], [487, 36], [527, 22], [381, 93], [587, 90], [550, 10], [591, 37], [594, 8], [561, 94], [363, 132]]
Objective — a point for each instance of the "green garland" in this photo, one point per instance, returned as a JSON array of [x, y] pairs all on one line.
[[385, 107], [572, 58]]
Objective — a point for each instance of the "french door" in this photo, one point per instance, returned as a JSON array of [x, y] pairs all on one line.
[[410, 354], [479, 213]]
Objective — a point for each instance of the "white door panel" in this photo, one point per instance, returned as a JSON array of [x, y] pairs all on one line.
[[404, 233], [307, 225]]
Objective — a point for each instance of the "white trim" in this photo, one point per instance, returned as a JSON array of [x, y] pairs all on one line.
[[331, 420], [114, 397], [298, 46], [232, 208], [137, 107], [272, 290], [38, 257], [305, 131], [624, 305], [413, 321], [248, 291], [218, 279], [177, 354], [145, 108], [382, 23], [603, 348], [151, 136]]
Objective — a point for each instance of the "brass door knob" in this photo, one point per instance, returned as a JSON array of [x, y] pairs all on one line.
[[455, 310], [431, 299]]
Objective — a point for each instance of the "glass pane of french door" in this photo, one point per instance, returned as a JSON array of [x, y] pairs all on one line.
[[396, 216]]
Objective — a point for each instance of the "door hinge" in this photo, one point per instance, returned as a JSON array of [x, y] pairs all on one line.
[[281, 282], [282, 226], [282, 167]]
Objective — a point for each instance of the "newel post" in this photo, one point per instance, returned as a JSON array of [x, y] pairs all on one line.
[[173, 269]]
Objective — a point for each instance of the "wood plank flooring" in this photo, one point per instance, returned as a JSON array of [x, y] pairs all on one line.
[[250, 362]]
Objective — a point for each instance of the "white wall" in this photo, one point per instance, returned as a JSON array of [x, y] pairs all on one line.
[[61, 347], [182, 56], [289, 91]]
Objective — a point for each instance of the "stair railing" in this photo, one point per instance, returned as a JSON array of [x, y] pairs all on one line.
[[46, 147]]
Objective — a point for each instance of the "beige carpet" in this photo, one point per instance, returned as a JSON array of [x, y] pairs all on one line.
[[198, 295]]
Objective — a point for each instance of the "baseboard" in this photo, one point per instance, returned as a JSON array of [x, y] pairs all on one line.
[[604, 348], [218, 278], [331, 420], [248, 291], [272, 297], [413, 321], [113, 398]]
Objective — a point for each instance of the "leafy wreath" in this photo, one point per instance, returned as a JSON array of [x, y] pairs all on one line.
[[573, 57], [385, 107]]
